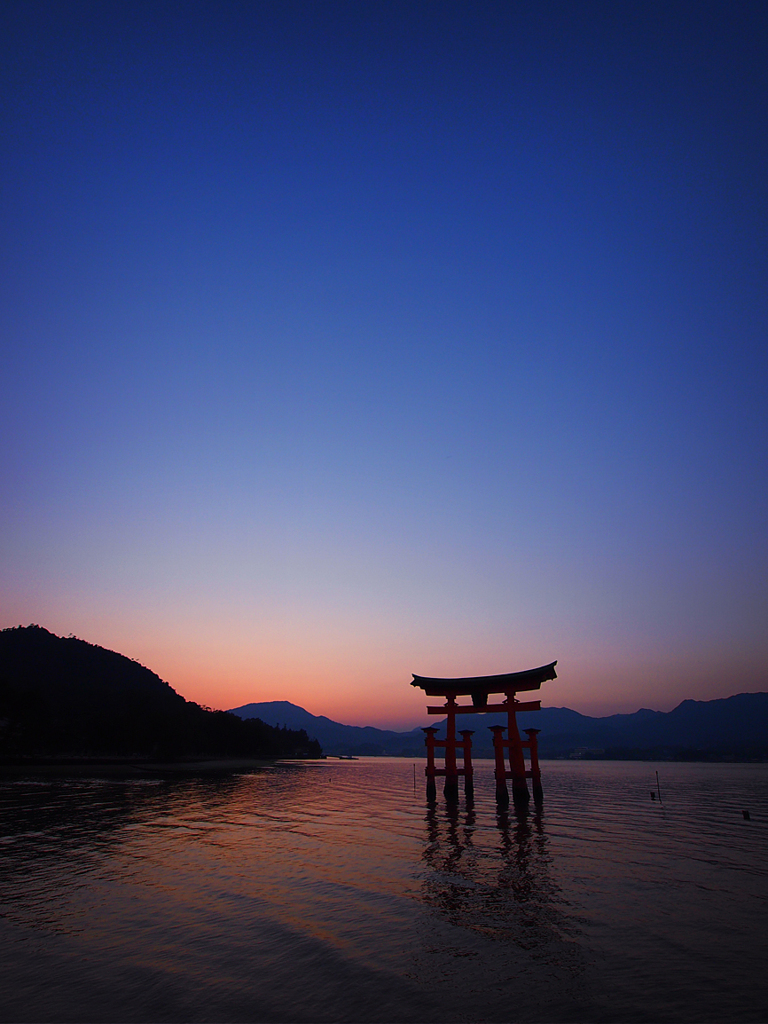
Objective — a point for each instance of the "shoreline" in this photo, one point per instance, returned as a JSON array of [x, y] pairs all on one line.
[[134, 767]]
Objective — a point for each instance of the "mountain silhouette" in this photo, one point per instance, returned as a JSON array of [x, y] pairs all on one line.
[[335, 738], [730, 728], [61, 696]]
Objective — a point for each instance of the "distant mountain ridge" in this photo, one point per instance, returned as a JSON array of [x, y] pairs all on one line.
[[730, 728], [360, 740]]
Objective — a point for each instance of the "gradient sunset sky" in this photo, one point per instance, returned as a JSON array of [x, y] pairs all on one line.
[[345, 340]]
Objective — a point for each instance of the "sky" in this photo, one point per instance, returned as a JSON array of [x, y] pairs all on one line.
[[347, 340]]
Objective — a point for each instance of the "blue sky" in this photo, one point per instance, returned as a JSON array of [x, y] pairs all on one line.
[[343, 341]]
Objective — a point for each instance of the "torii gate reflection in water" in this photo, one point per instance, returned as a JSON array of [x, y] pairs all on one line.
[[479, 688]]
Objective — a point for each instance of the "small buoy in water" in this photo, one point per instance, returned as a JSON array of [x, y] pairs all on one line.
[[746, 815], [653, 795]]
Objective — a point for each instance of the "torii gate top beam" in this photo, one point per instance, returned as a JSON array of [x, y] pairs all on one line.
[[478, 687]]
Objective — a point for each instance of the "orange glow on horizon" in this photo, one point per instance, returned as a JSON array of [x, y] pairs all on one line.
[[366, 680]]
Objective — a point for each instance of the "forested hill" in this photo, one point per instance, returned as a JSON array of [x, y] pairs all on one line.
[[65, 697]]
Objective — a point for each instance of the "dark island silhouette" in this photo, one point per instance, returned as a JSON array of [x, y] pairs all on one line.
[[61, 697]]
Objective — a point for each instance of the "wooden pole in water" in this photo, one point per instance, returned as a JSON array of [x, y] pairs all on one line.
[[658, 790]]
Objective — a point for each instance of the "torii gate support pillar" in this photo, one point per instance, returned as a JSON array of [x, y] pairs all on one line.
[[430, 770], [520, 792], [469, 781], [451, 787], [502, 793], [535, 773]]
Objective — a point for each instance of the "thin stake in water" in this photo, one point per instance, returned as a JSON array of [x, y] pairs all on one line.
[[658, 789]]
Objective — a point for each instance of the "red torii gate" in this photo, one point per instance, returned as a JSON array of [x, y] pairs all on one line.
[[479, 688]]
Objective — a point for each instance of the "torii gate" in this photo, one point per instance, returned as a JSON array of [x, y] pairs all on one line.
[[479, 688]]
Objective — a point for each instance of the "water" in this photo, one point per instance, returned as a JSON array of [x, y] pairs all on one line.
[[328, 891]]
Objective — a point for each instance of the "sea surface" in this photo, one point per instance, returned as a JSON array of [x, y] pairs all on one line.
[[330, 891]]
